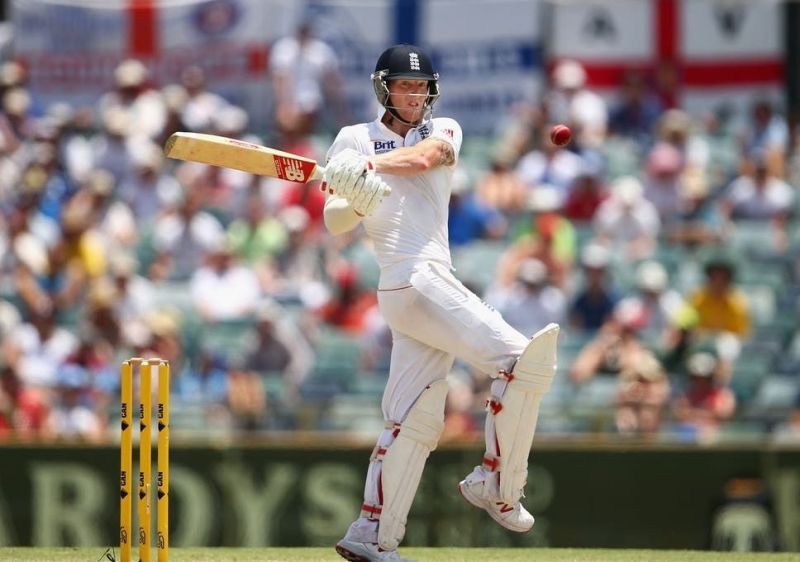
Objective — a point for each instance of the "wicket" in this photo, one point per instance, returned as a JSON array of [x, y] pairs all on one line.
[[145, 367]]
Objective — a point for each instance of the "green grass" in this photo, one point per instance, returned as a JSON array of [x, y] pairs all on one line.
[[421, 554]]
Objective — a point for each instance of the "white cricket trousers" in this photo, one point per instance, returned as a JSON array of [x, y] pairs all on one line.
[[433, 321]]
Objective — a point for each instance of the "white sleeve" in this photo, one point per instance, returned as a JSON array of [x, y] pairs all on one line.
[[449, 131], [345, 139]]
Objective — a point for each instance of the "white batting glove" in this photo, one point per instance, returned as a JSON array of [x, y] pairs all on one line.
[[368, 195], [345, 173]]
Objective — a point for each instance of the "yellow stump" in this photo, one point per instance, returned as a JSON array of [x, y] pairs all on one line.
[[126, 462], [163, 461], [145, 468]]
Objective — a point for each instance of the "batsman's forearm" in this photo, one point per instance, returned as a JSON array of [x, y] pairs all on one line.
[[339, 216], [408, 161]]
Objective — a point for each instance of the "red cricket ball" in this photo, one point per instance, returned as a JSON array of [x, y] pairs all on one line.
[[560, 135]]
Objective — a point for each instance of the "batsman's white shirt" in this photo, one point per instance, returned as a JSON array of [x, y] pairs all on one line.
[[433, 317], [411, 224]]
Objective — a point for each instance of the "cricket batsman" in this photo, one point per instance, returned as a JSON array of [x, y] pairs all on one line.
[[393, 175]]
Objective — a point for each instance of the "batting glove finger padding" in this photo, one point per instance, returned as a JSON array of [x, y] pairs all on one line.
[[345, 172], [372, 192]]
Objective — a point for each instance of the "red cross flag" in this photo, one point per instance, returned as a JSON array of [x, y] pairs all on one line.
[[714, 50]]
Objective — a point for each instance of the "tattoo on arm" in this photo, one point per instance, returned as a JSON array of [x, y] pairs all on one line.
[[447, 155]]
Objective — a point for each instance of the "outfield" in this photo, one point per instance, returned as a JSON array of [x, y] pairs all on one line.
[[421, 554]]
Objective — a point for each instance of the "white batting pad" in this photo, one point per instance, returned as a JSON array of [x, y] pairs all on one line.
[[517, 410], [405, 459]]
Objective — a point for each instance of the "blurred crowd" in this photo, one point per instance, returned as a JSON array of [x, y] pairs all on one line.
[[665, 243]]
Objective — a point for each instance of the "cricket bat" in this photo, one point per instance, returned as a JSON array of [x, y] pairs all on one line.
[[240, 155]]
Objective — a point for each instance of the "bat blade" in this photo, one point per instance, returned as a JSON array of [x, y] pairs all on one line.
[[241, 155]]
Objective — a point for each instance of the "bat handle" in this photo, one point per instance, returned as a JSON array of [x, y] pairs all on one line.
[[317, 173]]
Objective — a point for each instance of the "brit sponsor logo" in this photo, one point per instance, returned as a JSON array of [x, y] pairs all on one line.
[[383, 146], [448, 132]]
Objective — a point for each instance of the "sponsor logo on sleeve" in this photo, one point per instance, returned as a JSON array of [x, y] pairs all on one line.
[[448, 132]]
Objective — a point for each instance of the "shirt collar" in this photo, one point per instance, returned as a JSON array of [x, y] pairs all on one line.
[[382, 126]]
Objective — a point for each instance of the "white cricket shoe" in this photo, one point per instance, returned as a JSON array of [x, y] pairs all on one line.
[[367, 552], [477, 489]]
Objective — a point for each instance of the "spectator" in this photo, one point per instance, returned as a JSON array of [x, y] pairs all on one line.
[[24, 216], [135, 295], [595, 302], [351, 304], [643, 392], [206, 383], [76, 150], [82, 242], [675, 129], [549, 166], [661, 305], [72, 415], [201, 105], [499, 188], [376, 351], [520, 131], [700, 222], [24, 409], [531, 302], [222, 289], [459, 422], [720, 306], [114, 222], [256, 236], [17, 112], [247, 400], [299, 268], [761, 196], [767, 134], [586, 193], [305, 71], [57, 187], [161, 337], [183, 236], [616, 348], [112, 147], [39, 347], [626, 222], [143, 107], [706, 403], [147, 189], [469, 219], [638, 110], [663, 181], [278, 347], [545, 235], [572, 103], [46, 279], [101, 323], [175, 98]]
